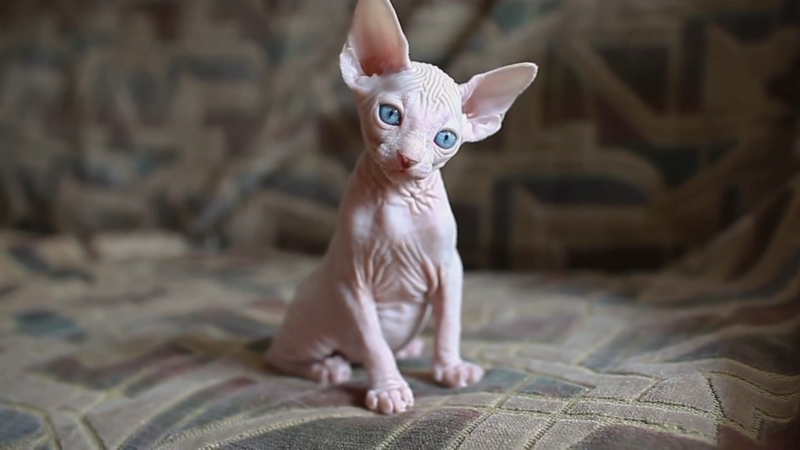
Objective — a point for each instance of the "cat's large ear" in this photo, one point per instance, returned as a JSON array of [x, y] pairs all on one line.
[[486, 98], [375, 45]]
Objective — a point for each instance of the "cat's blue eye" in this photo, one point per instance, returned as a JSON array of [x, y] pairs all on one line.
[[445, 139], [389, 115]]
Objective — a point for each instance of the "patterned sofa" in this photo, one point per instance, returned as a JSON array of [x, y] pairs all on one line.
[[170, 169]]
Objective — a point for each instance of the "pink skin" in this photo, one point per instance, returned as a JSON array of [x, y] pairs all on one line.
[[393, 257]]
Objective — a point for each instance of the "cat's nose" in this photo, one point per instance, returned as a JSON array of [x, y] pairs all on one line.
[[406, 162]]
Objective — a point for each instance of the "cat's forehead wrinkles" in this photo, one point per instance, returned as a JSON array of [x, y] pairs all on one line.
[[424, 76], [435, 89]]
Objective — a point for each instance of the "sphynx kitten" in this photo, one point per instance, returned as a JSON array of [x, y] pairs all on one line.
[[393, 256]]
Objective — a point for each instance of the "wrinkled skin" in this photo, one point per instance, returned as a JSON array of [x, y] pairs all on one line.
[[393, 259]]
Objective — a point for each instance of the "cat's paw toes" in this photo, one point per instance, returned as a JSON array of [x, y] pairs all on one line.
[[457, 375], [391, 399], [412, 350], [331, 370]]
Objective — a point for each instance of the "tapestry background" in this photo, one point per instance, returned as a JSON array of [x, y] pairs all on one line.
[[652, 125]]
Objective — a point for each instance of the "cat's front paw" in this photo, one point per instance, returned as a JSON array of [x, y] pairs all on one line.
[[390, 399], [457, 375]]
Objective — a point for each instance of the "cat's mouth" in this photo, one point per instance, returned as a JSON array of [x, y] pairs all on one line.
[[405, 174]]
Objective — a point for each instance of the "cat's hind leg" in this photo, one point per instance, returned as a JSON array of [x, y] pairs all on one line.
[[304, 347]]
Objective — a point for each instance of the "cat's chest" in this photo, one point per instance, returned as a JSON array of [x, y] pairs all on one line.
[[430, 230], [406, 252]]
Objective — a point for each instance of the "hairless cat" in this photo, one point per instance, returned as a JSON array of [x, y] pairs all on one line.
[[393, 256]]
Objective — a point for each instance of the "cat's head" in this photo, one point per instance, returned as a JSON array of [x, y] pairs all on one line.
[[414, 117]]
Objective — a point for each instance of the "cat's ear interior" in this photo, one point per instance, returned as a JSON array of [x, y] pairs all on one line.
[[486, 98], [375, 44]]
